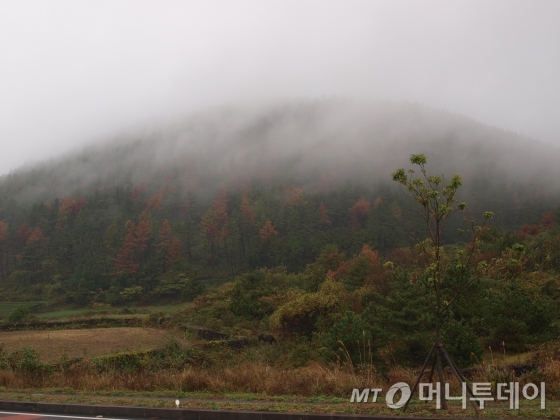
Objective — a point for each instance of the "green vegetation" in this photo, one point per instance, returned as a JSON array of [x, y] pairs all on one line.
[[107, 310], [9, 308]]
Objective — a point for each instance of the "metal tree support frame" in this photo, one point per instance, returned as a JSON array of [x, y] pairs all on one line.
[[437, 351]]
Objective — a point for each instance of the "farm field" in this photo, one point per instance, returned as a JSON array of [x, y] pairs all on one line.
[[64, 314], [6, 308], [51, 345]]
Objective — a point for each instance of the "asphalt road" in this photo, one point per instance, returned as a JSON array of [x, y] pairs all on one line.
[[7, 415]]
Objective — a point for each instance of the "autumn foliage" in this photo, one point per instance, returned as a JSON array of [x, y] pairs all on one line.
[[174, 251], [209, 225], [294, 197], [220, 207], [247, 210], [137, 191], [69, 205], [165, 234], [267, 230], [134, 246], [359, 213], [154, 203], [3, 231], [125, 260], [547, 221]]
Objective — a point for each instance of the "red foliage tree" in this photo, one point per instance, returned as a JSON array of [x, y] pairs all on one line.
[[547, 221], [185, 208], [209, 225], [23, 234], [165, 234], [247, 210], [295, 197], [359, 213], [3, 231], [143, 231], [174, 251], [324, 215], [66, 206], [137, 191], [224, 233], [220, 207], [528, 230], [267, 230], [125, 260], [37, 235], [154, 203], [396, 210]]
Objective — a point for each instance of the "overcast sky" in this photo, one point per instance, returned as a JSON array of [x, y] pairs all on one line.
[[73, 72]]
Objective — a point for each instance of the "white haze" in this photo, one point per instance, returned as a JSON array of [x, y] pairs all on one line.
[[72, 73], [315, 144]]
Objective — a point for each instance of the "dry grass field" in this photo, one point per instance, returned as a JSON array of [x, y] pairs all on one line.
[[51, 345]]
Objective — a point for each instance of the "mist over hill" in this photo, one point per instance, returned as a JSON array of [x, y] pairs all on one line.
[[312, 144]]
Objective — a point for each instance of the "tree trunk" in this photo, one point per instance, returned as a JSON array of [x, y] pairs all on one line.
[[439, 367]]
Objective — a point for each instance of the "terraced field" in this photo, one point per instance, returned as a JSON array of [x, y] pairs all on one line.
[[6, 308], [51, 345]]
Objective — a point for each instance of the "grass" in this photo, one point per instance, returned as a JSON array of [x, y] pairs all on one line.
[[52, 345], [256, 378], [335, 407], [138, 311], [6, 308], [498, 356]]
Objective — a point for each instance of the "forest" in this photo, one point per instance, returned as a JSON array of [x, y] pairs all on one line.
[[326, 256], [278, 257]]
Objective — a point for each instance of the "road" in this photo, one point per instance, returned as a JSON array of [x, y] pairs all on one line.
[[7, 415]]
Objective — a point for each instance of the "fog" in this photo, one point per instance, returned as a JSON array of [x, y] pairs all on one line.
[[76, 73], [315, 144]]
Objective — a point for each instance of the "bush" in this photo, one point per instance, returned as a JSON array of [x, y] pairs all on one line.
[[350, 337], [461, 343], [27, 361], [18, 314]]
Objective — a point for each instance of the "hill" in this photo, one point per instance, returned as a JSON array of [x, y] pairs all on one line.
[[306, 143], [160, 214]]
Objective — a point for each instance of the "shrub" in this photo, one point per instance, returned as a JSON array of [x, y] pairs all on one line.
[[461, 342], [301, 315], [349, 336], [27, 361], [18, 314]]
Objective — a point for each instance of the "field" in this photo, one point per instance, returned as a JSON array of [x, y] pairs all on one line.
[[51, 345], [6, 308], [143, 311]]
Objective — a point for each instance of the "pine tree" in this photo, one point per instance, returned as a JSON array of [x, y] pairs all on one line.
[[3, 236]]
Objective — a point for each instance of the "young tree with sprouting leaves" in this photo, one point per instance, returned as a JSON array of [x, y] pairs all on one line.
[[438, 202]]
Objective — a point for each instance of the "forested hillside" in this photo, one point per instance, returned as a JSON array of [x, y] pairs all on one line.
[[164, 214]]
